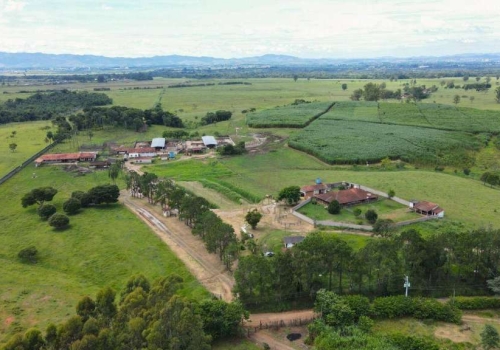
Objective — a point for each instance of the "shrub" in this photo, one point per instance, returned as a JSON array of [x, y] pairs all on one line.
[[467, 171], [46, 211], [409, 342], [59, 221], [71, 206], [356, 212], [28, 255], [391, 193], [84, 198], [359, 304], [366, 324], [334, 207], [371, 215], [475, 303]]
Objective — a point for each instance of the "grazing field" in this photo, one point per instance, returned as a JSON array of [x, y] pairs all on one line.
[[104, 246], [385, 208], [354, 142], [29, 137], [290, 116]]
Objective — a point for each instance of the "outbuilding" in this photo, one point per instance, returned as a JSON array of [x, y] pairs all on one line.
[[158, 143], [209, 141]]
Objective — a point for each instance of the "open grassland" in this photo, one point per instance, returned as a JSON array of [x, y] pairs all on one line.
[[104, 246], [385, 208], [29, 138], [287, 116], [348, 142], [463, 199]]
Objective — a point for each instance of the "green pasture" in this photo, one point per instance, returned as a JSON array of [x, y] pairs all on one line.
[[287, 116], [103, 246], [385, 208], [463, 199], [29, 137]]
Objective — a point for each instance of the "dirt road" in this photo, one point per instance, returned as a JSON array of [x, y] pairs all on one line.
[[206, 267]]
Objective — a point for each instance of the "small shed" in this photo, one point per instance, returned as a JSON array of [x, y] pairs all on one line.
[[427, 208], [209, 141], [290, 241]]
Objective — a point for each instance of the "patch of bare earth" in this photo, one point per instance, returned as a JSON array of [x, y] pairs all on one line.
[[453, 332]]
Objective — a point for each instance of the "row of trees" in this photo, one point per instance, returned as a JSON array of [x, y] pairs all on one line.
[[129, 118], [437, 265], [375, 92], [45, 106], [219, 116], [218, 236], [146, 316]]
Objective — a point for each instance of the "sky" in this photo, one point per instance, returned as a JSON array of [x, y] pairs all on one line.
[[242, 28]]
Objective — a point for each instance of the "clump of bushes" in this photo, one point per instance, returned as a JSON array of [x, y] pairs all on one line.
[[45, 211], [28, 255], [475, 303], [59, 221]]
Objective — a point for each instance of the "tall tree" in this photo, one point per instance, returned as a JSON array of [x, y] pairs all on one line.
[[38, 196]]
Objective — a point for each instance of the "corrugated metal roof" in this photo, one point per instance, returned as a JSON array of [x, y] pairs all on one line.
[[209, 140], [158, 142]]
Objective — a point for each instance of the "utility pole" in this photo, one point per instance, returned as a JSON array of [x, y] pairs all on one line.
[[406, 285]]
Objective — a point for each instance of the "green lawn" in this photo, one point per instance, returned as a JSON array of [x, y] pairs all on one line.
[[104, 246], [385, 208], [29, 137]]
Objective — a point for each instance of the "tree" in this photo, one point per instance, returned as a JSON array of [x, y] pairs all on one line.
[[221, 319], [334, 207], [290, 194], [86, 308], [356, 95], [50, 136], [45, 211], [383, 227], [38, 196], [344, 86], [71, 206], [84, 198], [391, 193], [12, 146], [490, 338], [497, 94], [104, 194], [334, 310], [28, 255], [253, 217], [59, 221], [295, 77], [456, 99], [372, 92], [465, 78], [33, 340], [90, 134], [371, 215], [113, 171], [472, 98], [490, 179], [494, 285], [105, 303]]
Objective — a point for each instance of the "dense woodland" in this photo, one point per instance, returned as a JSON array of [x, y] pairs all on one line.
[[42, 106], [144, 316], [438, 265]]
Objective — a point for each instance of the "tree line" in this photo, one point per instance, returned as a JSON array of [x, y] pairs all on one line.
[[375, 92], [438, 265], [128, 118], [219, 237], [45, 106], [144, 316]]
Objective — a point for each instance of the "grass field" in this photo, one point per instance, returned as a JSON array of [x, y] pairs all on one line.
[[104, 246], [267, 173], [386, 209], [29, 137]]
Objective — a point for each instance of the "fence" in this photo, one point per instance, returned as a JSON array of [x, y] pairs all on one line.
[[25, 163], [408, 222], [343, 224]]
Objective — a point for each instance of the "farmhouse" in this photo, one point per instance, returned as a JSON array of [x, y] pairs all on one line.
[[311, 190], [66, 158], [195, 146], [427, 208], [348, 197], [290, 241]]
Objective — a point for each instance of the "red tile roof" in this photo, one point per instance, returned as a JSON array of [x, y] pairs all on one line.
[[312, 188], [135, 150], [426, 206], [344, 197], [65, 156]]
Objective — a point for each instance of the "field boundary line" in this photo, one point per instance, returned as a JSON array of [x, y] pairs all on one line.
[[25, 163]]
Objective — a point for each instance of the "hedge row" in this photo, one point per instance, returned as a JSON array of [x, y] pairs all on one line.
[[421, 308], [475, 303]]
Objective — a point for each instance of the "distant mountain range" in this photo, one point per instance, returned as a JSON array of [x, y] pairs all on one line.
[[68, 61]]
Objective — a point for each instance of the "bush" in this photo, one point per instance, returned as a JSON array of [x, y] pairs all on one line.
[[28, 255], [409, 342], [371, 215], [71, 206], [366, 324], [475, 303], [59, 221], [46, 211], [467, 171], [334, 207], [84, 198], [359, 304], [357, 212]]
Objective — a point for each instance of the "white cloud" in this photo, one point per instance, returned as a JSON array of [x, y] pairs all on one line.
[[12, 5]]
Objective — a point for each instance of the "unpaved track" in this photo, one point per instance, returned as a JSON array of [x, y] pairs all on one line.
[[206, 267]]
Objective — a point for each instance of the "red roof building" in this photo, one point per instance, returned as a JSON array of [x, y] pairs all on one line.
[[311, 190], [66, 157], [347, 197], [427, 208]]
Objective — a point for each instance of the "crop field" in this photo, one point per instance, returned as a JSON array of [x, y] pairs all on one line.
[[287, 116], [386, 209], [29, 138], [104, 246], [345, 142]]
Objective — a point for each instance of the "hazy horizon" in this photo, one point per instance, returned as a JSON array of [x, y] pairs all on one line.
[[229, 29]]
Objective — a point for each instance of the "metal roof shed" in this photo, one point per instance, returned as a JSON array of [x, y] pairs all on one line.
[[209, 141], [158, 142]]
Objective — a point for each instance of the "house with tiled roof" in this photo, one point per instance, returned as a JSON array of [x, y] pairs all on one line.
[[347, 197]]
